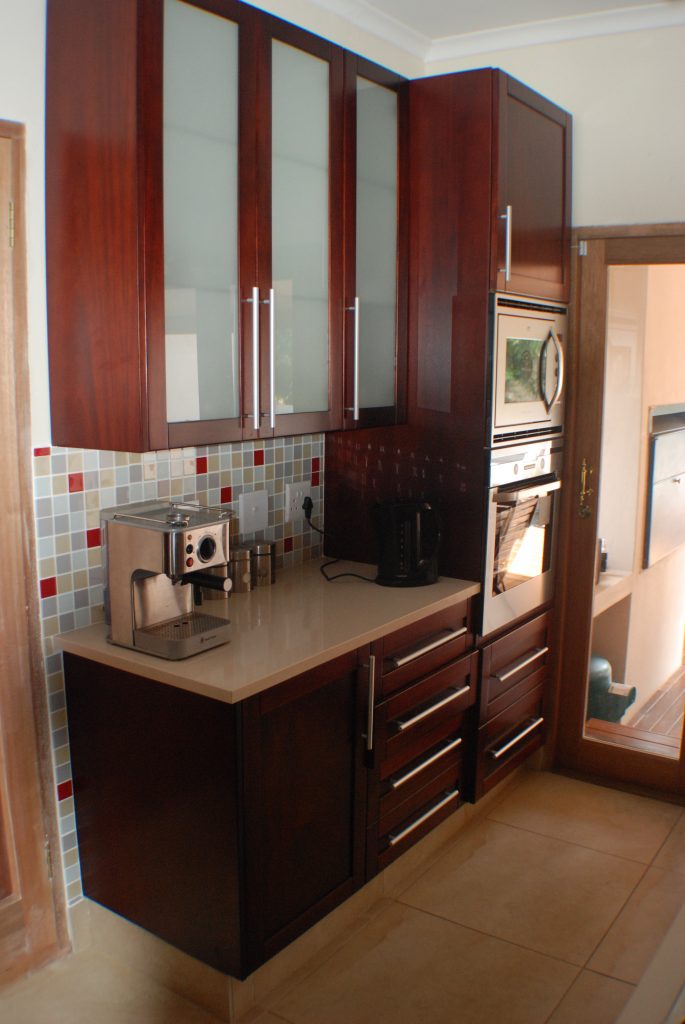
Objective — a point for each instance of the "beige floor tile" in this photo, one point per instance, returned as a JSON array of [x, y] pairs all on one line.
[[550, 896], [639, 929], [91, 988], [592, 999], [671, 856], [602, 819], [406, 967]]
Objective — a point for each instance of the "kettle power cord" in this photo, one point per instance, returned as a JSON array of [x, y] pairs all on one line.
[[307, 506]]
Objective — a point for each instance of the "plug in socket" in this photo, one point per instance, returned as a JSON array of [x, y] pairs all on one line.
[[294, 497]]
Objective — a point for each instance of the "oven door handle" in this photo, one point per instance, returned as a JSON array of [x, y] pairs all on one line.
[[549, 403], [504, 497]]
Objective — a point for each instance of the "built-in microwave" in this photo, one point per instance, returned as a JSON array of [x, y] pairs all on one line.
[[527, 368]]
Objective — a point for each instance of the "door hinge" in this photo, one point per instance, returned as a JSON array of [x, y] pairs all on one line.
[[582, 248], [11, 225]]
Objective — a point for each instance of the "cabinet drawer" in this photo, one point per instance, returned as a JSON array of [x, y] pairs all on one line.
[[507, 740], [409, 653], [402, 784], [409, 721], [414, 818], [514, 664]]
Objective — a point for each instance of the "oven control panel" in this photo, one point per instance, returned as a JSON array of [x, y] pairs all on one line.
[[524, 462]]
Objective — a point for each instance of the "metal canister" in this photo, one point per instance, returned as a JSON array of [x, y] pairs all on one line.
[[263, 563], [240, 569]]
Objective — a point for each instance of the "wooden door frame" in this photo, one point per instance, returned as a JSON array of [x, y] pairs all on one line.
[[602, 247], [35, 830]]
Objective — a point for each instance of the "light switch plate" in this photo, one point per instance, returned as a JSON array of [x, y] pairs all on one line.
[[253, 511]]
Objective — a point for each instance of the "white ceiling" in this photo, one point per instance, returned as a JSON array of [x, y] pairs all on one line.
[[438, 29]]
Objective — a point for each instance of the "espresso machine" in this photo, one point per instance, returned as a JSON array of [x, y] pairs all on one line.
[[158, 556]]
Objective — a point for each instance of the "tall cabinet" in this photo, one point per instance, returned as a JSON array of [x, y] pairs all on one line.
[[220, 186]]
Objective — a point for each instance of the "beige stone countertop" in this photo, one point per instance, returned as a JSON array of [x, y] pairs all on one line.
[[295, 624]]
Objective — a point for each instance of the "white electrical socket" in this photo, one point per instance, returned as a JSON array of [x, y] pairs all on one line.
[[294, 498], [253, 511]]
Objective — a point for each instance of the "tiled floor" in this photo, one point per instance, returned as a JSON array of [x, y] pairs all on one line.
[[544, 911]]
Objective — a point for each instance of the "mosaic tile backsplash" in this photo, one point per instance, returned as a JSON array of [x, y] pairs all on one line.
[[71, 486]]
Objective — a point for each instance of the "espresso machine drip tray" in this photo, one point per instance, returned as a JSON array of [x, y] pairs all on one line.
[[180, 637]]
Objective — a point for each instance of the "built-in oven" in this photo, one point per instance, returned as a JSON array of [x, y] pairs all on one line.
[[523, 509], [528, 368]]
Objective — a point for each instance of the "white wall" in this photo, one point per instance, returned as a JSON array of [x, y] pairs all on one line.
[[626, 96]]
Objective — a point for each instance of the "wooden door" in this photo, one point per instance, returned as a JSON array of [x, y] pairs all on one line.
[[601, 248], [29, 933], [533, 190]]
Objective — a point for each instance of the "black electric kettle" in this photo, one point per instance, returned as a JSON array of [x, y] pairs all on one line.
[[408, 541]]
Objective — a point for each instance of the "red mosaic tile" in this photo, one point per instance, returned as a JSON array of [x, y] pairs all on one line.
[[288, 544], [93, 537], [226, 495], [315, 479], [259, 457], [75, 482], [65, 790], [48, 587], [316, 464], [201, 464], [41, 451]]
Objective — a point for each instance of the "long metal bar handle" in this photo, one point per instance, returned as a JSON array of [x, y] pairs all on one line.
[[272, 358], [450, 634], [496, 754], [507, 216], [560, 371], [453, 695], [397, 837], [400, 780], [372, 702], [255, 358], [534, 491], [515, 666], [354, 408]]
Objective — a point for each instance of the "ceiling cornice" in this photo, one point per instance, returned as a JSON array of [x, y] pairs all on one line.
[[367, 18]]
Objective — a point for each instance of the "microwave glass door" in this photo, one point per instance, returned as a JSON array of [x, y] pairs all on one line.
[[527, 371]]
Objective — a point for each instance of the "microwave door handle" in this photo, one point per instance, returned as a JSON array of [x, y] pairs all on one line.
[[550, 402], [534, 491]]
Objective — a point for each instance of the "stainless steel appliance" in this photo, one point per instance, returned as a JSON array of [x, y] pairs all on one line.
[[156, 558], [408, 540], [523, 509], [528, 368]]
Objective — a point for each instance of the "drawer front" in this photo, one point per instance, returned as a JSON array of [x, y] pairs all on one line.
[[514, 664], [403, 784], [507, 740], [409, 721], [415, 818], [416, 650]]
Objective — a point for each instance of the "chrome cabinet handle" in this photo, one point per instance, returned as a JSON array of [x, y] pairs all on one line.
[[515, 666], [506, 497], [560, 372], [507, 244], [397, 837], [354, 408], [400, 780], [255, 358], [450, 634], [496, 754], [407, 723], [272, 358], [372, 702]]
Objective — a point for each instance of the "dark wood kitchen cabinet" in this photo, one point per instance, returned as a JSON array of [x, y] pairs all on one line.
[[194, 224], [226, 830]]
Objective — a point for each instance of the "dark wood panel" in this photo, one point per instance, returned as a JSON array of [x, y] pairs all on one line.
[[412, 639]]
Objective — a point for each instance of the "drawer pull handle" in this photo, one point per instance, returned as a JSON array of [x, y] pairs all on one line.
[[397, 837], [496, 754], [401, 779], [372, 702], [515, 666], [444, 638], [406, 723]]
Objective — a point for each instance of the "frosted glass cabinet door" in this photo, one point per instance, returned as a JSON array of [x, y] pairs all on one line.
[[200, 214], [300, 101], [376, 245]]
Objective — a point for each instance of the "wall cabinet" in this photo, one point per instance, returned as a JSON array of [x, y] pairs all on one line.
[[197, 182]]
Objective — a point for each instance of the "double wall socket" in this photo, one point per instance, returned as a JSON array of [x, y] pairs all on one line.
[[253, 511], [294, 498]]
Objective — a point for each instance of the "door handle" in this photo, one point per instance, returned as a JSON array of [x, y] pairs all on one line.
[[553, 339], [354, 408], [507, 217], [586, 471]]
